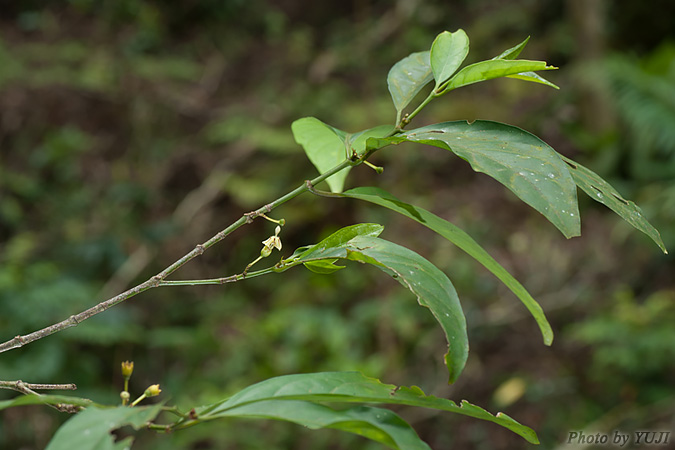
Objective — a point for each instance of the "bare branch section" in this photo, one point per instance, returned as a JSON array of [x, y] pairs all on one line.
[[28, 388], [157, 280]]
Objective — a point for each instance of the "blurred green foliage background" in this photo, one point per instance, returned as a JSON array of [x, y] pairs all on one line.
[[132, 130]]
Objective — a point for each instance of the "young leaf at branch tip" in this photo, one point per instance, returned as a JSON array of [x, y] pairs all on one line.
[[323, 266], [494, 68], [512, 53], [406, 79], [448, 51], [324, 146]]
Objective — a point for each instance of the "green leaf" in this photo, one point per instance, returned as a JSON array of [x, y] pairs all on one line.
[[494, 68], [448, 51], [90, 429], [338, 241], [357, 141], [45, 400], [601, 191], [323, 266], [522, 162], [513, 52], [533, 77], [461, 239], [407, 78], [432, 288], [380, 425], [350, 387], [324, 146]]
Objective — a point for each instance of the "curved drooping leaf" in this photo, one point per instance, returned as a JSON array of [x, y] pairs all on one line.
[[407, 77], [431, 286], [90, 429], [601, 191], [513, 53], [352, 387], [324, 146], [448, 51], [380, 425], [494, 68], [522, 162], [461, 239]]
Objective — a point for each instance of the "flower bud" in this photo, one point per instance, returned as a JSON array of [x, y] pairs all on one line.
[[152, 391], [127, 369], [124, 395]]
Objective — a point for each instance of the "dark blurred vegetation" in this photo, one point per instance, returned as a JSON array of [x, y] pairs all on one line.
[[130, 131]]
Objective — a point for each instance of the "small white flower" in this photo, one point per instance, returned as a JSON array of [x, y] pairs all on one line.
[[271, 242]]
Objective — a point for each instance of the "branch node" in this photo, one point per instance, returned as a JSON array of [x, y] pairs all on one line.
[[73, 319], [200, 249]]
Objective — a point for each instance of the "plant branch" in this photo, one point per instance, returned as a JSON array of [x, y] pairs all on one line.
[[157, 280], [28, 388]]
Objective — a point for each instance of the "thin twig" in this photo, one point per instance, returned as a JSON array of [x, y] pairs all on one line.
[[74, 320], [27, 388]]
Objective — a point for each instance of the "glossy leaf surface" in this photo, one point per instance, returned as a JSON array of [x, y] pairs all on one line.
[[448, 51], [324, 146], [350, 387], [522, 162], [601, 191], [407, 78], [461, 239]]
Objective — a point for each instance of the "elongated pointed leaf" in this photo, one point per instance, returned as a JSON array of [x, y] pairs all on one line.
[[407, 78], [534, 78], [448, 52], [323, 266], [380, 425], [513, 53], [601, 191], [90, 429], [494, 68], [522, 162], [461, 239], [432, 288], [324, 146], [353, 387]]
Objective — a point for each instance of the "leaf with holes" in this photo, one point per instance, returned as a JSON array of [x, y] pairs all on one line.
[[601, 191]]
